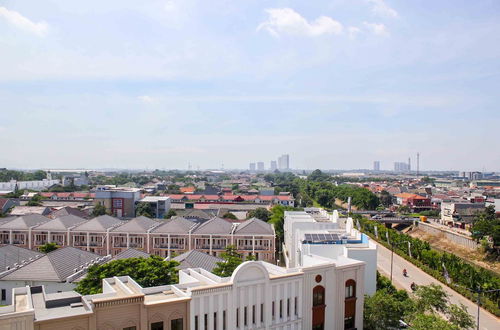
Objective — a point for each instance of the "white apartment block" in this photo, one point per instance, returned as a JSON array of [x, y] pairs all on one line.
[[314, 232]]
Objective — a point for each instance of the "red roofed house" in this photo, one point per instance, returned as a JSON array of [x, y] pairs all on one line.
[[413, 201]]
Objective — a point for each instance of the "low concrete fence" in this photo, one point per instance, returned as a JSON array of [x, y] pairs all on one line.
[[454, 237]]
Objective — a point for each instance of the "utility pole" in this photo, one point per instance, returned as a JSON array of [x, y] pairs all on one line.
[[479, 291]]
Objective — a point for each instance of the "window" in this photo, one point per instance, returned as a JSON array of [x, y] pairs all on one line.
[[196, 323], [288, 307], [350, 289], [237, 317], [177, 324], [4, 294], [318, 296], [130, 328], [296, 306], [261, 313], [215, 321], [245, 316], [223, 320], [253, 314], [206, 322], [272, 310], [281, 308], [157, 326]]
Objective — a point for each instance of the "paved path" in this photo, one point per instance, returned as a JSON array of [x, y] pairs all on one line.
[[487, 320]]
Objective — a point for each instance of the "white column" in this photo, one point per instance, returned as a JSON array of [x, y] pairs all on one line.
[[128, 240], [210, 244], [11, 238], [88, 241], [48, 237], [253, 245], [107, 242], [168, 246], [29, 238], [147, 243]]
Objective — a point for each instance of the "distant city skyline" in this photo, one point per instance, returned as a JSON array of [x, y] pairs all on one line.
[[335, 84]]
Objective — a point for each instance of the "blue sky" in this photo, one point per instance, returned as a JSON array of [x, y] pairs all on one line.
[[336, 84]]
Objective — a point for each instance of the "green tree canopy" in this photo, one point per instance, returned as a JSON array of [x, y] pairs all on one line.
[[486, 223], [232, 259], [35, 200], [229, 215], [171, 213], [48, 247], [147, 272], [98, 210], [144, 209], [259, 213]]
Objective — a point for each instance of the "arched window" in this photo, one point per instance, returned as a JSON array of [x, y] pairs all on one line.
[[350, 304], [318, 309], [350, 289], [318, 296]]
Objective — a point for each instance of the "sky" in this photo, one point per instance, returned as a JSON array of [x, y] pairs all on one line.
[[165, 83]]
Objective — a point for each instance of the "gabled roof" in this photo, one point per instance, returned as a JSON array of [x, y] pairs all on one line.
[[215, 225], [254, 226], [130, 253], [11, 254], [67, 211], [25, 222], [55, 266], [197, 214], [61, 223], [197, 259], [137, 225], [100, 223], [176, 225]]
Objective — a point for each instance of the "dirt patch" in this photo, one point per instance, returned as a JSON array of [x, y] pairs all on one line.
[[441, 243]]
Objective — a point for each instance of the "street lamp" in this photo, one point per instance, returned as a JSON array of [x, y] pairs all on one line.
[[392, 252]]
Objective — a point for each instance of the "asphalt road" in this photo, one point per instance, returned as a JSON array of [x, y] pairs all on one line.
[[487, 320]]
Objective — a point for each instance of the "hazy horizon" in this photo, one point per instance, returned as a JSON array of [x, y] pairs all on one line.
[[336, 84]]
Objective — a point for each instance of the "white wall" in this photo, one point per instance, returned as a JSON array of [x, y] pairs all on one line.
[[50, 287]]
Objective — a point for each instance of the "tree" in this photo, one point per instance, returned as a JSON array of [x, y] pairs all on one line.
[[431, 322], [431, 298], [259, 213], [48, 247], [385, 198], [98, 210], [171, 213], [229, 215], [144, 209], [147, 272], [458, 315], [384, 310], [404, 209], [318, 175], [486, 223], [232, 259], [35, 201]]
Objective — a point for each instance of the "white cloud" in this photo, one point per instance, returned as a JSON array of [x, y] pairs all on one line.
[[18, 20], [353, 31], [377, 28], [380, 8], [147, 99], [288, 21]]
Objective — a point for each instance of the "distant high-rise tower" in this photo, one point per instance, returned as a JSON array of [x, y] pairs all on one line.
[[418, 163], [260, 166], [252, 167], [273, 166], [376, 166], [284, 162]]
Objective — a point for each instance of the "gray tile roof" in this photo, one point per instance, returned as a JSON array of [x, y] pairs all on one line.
[[137, 225], [196, 214], [101, 223], [131, 253], [214, 226], [197, 259], [25, 222], [55, 266], [176, 225], [254, 226], [68, 211], [61, 223], [11, 254]]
